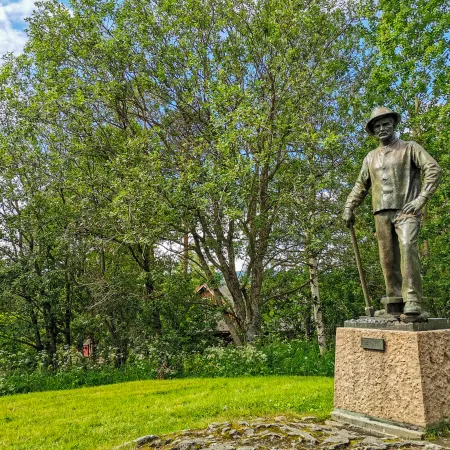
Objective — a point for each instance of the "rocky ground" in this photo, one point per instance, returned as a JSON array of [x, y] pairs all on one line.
[[277, 433]]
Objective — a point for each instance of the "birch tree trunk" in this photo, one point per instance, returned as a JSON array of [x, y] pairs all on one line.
[[317, 305]]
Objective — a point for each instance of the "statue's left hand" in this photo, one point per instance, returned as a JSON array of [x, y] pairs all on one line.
[[415, 206]]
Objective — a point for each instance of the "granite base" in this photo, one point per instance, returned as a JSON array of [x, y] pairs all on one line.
[[405, 380], [376, 426]]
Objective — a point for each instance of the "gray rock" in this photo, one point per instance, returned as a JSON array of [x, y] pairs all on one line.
[[224, 424], [373, 441], [140, 441], [219, 446], [278, 434], [308, 437], [314, 427], [270, 435], [298, 424], [336, 446], [309, 418], [365, 447], [188, 444], [146, 439], [348, 434], [288, 429], [336, 440], [273, 436], [430, 446], [295, 433], [418, 443], [156, 443], [374, 447], [333, 423], [407, 443]]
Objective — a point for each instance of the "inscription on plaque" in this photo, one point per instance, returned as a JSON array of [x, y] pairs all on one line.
[[372, 344]]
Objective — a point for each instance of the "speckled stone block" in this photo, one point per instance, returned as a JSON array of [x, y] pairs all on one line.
[[407, 383]]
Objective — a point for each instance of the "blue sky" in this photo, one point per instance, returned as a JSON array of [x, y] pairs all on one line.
[[12, 24]]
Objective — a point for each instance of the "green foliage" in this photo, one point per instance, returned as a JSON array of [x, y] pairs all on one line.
[[297, 357], [442, 429], [226, 362], [46, 381], [275, 358]]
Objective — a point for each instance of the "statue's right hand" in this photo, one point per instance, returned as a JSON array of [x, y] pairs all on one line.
[[349, 217]]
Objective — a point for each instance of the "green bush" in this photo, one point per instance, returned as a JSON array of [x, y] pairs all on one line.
[[38, 381], [297, 357], [278, 357], [226, 362]]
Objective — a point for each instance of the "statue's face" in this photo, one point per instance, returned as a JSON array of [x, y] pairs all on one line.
[[384, 128]]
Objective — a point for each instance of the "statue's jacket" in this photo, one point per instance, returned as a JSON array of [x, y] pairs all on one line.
[[394, 173]]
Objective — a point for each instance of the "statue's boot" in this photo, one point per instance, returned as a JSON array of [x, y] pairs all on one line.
[[412, 308]]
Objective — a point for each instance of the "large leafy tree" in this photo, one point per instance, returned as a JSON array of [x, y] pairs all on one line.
[[189, 118]]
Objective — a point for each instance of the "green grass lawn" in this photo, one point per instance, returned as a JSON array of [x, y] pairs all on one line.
[[106, 416]]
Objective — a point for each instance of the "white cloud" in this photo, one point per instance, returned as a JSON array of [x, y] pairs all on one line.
[[16, 10], [12, 34], [11, 40]]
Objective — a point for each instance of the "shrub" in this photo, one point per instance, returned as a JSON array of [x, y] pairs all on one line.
[[158, 360], [226, 362], [297, 357]]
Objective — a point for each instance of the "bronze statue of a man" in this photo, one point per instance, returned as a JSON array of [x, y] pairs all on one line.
[[394, 170]]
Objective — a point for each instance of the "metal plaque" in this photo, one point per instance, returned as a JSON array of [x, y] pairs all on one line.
[[372, 344]]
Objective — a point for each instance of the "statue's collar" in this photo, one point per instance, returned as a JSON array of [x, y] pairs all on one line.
[[388, 147]]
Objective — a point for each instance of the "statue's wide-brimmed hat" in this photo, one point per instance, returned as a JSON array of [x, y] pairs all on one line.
[[380, 112]]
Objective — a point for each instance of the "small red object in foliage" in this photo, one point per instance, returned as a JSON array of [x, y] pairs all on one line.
[[88, 348]]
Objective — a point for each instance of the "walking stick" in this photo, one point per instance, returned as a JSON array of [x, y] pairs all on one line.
[[368, 309]]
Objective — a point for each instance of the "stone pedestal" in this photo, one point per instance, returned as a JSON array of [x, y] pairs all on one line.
[[395, 377]]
